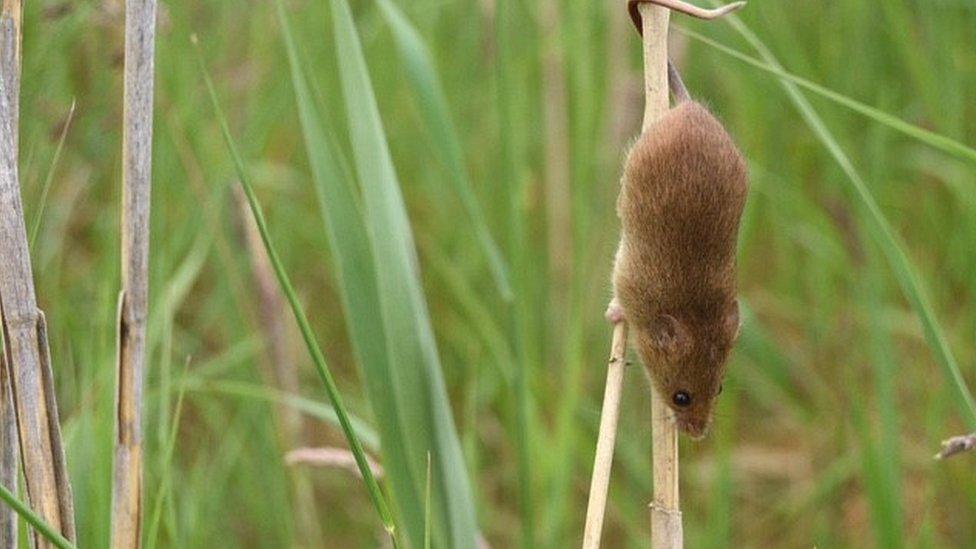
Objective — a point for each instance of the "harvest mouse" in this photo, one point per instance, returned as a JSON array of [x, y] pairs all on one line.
[[674, 277]]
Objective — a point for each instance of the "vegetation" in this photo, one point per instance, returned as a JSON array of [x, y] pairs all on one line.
[[452, 293]]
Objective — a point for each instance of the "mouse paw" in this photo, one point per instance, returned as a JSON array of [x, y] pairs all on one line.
[[615, 313]]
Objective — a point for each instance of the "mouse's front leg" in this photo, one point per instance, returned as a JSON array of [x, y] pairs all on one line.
[[615, 313]]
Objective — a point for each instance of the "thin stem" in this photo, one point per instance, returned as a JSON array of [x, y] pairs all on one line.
[[140, 24], [36, 225], [666, 529], [600, 482], [26, 354], [34, 520]]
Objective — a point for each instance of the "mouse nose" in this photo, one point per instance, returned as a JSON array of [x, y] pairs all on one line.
[[696, 430]]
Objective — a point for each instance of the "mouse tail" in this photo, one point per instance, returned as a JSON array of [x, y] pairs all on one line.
[[677, 85]]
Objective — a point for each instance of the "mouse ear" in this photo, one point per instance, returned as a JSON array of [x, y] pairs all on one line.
[[732, 323], [668, 335]]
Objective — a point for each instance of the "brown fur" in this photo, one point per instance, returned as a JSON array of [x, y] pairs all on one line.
[[684, 189]]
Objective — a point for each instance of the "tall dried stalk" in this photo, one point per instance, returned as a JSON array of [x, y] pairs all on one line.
[[9, 444], [600, 482], [140, 22], [666, 531], [27, 364]]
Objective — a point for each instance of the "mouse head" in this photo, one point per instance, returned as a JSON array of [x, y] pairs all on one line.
[[686, 358]]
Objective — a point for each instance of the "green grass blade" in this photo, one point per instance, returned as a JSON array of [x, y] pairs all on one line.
[[378, 500], [430, 98], [935, 140], [180, 283], [356, 274], [36, 225], [427, 507], [773, 382], [473, 304], [880, 229], [410, 339], [165, 475], [880, 453], [518, 315], [312, 408], [33, 519]]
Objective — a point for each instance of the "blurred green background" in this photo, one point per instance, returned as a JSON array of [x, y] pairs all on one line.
[[837, 394]]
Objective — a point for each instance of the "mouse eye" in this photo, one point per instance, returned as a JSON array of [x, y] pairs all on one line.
[[681, 399], [720, 387]]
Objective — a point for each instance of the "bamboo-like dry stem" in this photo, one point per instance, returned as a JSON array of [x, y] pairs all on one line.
[[9, 443], [666, 531], [600, 481], [10, 38], [140, 23], [26, 357], [654, 37], [60, 462]]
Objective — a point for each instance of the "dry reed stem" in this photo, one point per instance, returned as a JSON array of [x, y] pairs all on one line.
[[9, 443], [140, 22], [600, 481], [65, 496], [666, 531], [27, 360]]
